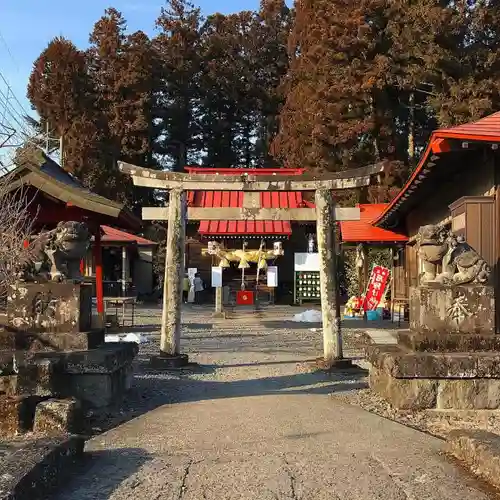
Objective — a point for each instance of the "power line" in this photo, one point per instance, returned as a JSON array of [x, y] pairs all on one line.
[[7, 48], [14, 129]]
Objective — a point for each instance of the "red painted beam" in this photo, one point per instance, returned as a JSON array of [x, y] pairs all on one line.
[[99, 291], [440, 146]]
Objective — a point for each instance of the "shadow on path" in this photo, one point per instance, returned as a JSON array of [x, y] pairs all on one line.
[[120, 465], [152, 389]]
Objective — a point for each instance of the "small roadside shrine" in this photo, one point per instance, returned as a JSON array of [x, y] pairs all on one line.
[[325, 214], [54, 195]]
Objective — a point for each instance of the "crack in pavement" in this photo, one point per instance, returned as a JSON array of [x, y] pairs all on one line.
[[183, 487], [292, 479]]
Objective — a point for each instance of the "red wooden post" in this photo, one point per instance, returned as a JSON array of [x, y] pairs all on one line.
[[98, 274], [82, 266]]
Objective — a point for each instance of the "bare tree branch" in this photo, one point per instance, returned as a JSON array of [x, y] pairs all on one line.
[[16, 225]]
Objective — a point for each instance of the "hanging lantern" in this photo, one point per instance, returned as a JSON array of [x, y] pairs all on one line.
[[310, 244], [277, 248]]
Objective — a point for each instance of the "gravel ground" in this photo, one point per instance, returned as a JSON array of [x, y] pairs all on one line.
[[232, 343], [436, 422], [229, 350]]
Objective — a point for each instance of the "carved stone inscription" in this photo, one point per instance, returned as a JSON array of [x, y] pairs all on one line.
[[50, 307]]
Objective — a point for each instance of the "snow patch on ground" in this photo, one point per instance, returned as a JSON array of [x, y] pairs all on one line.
[[309, 316], [138, 338]]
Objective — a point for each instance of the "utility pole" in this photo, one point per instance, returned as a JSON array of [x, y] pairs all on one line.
[[47, 138], [411, 128], [61, 157]]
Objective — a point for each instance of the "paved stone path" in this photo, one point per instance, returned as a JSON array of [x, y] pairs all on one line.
[[258, 425]]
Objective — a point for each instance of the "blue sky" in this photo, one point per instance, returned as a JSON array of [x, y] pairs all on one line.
[[26, 26]]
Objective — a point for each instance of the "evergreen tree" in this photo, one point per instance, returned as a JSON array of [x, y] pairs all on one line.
[[61, 91], [271, 60], [179, 48], [329, 121], [124, 69]]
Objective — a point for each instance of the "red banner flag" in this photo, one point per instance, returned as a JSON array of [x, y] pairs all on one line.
[[376, 288]]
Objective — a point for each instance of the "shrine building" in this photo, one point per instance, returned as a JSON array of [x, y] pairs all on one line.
[[53, 195], [456, 184], [293, 235]]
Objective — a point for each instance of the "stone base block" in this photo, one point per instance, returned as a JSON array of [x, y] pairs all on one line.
[[477, 394], [336, 364], [401, 363], [11, 339], [97, 390], [480, 451], [458, 309], [421, 380], [168, 362], [17, 414], [37, 378], [448, 342], [97, 377], [405, 394], [58, 415]]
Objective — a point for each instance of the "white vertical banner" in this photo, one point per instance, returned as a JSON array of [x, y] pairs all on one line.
[[191, 274], [272, 276], [216, 277]]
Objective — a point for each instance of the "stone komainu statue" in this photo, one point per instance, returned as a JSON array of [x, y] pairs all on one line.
[[460, 263], [56, 254]]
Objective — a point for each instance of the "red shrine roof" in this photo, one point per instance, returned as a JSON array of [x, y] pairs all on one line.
[[484, 130], [234, 199], [113, 235], [73, 201], [363, 231]]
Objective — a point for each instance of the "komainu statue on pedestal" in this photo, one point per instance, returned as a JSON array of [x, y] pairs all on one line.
[[56, 254], [460, 263]]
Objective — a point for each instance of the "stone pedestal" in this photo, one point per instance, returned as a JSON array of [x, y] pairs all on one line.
[[450, 357], [50, 316], [50, 307], [436, 308], [52, 363], [50, 387]]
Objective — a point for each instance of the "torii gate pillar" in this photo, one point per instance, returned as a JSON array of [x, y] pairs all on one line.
[[329, 290], [172, 287]]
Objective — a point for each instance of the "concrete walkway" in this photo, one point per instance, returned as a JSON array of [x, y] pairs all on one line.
[[259, 426]]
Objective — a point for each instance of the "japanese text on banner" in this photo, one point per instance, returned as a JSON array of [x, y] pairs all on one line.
[[376, 287]]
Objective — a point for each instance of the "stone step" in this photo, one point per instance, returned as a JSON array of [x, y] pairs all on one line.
[[448, 342], [398, 362]]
